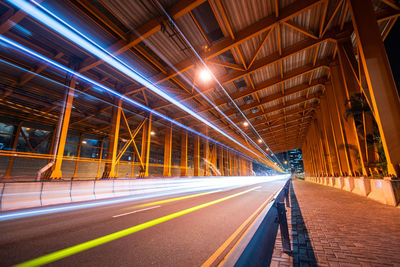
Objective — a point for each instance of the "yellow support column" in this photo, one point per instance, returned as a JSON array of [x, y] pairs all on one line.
[[145, 150], [320, 146], [381, 86], [63, 130], [341, 143], [112, 150], [167, 152], [206, 157], [351, 88], [348, 126], [184, 151], [214, 157], [230, 163], [196, 171], [330, 139], [221, 160]]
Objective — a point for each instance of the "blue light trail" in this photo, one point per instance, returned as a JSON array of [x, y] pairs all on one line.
[[112, 104], [90, 46], [27, 51]]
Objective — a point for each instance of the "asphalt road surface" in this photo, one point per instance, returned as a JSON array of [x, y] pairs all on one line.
[[175, 230]]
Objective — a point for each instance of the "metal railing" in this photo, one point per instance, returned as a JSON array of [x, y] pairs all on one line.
[[257, 245]]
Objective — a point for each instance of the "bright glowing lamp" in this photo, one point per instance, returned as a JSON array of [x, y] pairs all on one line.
[[205, 75], [152, 133], [245, 124], [259, 141]]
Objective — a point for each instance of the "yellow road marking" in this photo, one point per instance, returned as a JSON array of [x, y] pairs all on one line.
[[239, 231], [63, 253]]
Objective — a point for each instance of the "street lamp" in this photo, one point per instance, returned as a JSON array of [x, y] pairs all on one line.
[[205, 75]]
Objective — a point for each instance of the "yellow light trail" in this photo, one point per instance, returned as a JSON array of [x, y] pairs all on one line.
[[172, 199], [66, 252]]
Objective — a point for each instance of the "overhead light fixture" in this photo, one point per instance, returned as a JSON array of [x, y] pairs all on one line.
[[260, 141], [245, 124], [152, 133], [205, 75]]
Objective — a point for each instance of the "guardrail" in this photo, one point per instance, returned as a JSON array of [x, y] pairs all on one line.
[[257, 245]]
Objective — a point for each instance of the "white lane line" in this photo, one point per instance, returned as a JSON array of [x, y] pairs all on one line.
[[135, 211]]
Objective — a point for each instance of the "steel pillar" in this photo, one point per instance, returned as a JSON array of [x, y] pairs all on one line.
[[322, 143], [230, 163], [167, 152], [221, 160], [347, 124], [351, 88], [184, 155], [206, 157], [112, 150], [145, 149], [330, 139], [379, 77], [196, 171], [63, 129], [338, 130]]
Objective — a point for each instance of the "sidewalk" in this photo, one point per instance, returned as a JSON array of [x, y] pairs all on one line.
[[330, 227]]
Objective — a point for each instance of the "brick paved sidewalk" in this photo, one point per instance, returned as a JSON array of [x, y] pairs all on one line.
[[330, 227]]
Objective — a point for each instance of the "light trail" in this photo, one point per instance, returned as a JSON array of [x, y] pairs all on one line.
[[145, 189], [75, 36], [223, 89], [32, 53], [135, 211], [63, 253]]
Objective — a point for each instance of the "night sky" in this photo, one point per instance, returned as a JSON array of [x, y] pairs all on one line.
[[392, 44]]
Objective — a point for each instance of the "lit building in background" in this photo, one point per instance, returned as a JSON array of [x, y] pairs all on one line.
[[293, 160]]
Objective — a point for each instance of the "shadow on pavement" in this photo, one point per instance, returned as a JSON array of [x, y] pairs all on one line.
[[303, 253]]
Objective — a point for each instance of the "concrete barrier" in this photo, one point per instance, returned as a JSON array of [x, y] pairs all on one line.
[[103, 189], [348, 183], [339, 182], [82, 191], [362, 186], [331, 181], [56, 193], [21, 195], [386, 191], [123, 188]]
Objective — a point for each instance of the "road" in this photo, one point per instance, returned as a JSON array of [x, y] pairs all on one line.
[[174, 230]]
